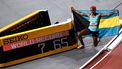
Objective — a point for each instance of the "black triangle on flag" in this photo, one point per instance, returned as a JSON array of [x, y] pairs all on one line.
[[80, 22]]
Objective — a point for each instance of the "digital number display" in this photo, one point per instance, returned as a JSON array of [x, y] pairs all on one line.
[[58, 43], [39, 45], [29, 42]]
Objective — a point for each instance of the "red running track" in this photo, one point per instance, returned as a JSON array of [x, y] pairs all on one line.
[[112, 61]]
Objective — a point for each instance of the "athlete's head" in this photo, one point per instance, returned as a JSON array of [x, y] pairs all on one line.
[[93, 9]]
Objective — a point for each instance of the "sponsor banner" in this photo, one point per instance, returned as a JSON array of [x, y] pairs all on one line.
[[15, 39], [18, 37], [28, 42]]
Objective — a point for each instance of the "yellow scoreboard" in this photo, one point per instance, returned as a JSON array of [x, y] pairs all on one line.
[[35, 43]]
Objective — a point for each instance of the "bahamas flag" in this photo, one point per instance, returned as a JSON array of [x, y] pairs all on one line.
[[109, 25]]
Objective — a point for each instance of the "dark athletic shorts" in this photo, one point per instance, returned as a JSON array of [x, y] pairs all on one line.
[[95, 34]]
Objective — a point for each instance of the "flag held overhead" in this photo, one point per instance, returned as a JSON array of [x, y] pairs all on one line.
[[109, 25]]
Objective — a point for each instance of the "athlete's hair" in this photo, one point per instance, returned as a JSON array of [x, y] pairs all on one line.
[[93, 7]]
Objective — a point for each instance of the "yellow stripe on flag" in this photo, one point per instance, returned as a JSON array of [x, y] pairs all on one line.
[[110, 22], [120, 22]]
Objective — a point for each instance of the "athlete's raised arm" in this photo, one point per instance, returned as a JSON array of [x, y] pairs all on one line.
[[79, 12]]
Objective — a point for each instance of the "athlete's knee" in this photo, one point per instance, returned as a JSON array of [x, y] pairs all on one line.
[[79, 36]]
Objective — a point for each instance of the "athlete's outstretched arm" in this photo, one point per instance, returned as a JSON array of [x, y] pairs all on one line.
[[79, 12], [108, 14]]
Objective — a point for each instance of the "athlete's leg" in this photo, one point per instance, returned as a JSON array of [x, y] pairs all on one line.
[[82, 33], [95, 38]]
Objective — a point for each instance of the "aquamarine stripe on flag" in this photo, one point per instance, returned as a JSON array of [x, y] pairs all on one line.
[[103, 32], [101, 12]]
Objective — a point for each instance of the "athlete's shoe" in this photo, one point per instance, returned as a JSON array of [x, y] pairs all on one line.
[[80, 47], [98, 39]]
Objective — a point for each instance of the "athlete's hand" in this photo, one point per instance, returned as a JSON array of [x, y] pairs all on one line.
[[115, 11], [72, 8]]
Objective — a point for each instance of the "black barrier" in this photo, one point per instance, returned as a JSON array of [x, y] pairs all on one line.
[[39, 20]]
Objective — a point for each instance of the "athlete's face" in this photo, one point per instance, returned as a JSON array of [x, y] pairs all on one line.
[[93, 10]]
